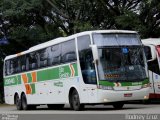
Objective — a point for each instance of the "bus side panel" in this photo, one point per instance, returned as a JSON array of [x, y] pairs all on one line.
[[55, 90], [156, 78], [154, 85], [151, 82], [47, 93], [10, 91]]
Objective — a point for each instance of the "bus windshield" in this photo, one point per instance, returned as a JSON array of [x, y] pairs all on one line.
[[120, 62]]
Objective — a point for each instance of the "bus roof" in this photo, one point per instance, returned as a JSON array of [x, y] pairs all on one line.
[[62, 39], [151, 41]]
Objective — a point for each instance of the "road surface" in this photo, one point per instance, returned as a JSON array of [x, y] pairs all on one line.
[[99, 112]]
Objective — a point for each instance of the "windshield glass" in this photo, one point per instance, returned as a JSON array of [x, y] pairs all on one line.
[[121, 63]]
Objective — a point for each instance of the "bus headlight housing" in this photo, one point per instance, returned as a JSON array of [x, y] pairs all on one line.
[[106, 87], [146, 85]]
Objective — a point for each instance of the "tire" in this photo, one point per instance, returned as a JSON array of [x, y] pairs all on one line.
[[75, 101], [18, 103], [55, 106], [146, 101], [118, 105], [25, 106]]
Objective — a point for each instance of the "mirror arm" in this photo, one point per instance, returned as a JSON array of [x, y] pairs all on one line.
[[95, 62]]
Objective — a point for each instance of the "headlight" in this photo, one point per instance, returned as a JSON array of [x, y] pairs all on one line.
[[106, 87], [146, 85]]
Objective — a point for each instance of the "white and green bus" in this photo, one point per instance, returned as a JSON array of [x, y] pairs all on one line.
[[88, 68]]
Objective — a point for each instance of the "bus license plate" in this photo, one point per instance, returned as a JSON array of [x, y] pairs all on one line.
[[128, 95]]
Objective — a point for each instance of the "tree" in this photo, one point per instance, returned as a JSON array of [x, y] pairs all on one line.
[[27, 23], [149, 15]]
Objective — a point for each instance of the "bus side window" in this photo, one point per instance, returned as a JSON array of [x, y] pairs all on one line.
[[7, 67], [32, 61], [68, 51], [55, 54], [18, 65], [153, 66], [148, 53], [43, 57], [23, 62], [13, 66], [86, 60]]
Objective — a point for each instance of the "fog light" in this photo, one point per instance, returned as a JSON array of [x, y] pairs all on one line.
[[146, 97], [146, 85], [105, 100]]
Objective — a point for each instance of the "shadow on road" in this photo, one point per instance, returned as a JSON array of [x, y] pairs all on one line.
[[95, 108]]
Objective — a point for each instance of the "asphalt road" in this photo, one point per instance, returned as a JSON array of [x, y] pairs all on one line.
[[98, 109], [99, 112]]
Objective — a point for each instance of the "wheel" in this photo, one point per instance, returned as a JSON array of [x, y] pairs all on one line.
[[75, 101], [118, 105], [18, 103], [146, 101], [55, 106], [25, 106]]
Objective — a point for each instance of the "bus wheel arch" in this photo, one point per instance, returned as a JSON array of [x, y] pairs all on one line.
[[74, 100], [15, 96], [24, 103], [70, 93]]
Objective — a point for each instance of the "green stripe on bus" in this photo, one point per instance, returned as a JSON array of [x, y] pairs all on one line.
[[76, 70], [107, 83], [18, 79], [10, 81], [29, 77], [48, 74], [33, 88]]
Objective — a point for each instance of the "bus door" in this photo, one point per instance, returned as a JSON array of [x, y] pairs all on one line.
[[89, 84]]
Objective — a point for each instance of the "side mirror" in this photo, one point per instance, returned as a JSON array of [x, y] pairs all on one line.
[[150, 52], [95, 53]]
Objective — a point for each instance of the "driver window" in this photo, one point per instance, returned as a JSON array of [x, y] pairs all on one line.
[[86, 60]]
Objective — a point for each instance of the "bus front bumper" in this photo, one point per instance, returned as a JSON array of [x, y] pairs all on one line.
[[105, 96]]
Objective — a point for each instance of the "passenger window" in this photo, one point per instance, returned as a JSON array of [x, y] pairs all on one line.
[[23, 62], [18, 65], [32, 61], [54, 55], [148, 53], [43, 57], [68, 51], [7, 67], [86, 60], [13, 66], [153, 66]]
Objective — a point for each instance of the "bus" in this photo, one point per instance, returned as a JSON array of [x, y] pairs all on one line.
[[87, 68], [152, 50]]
